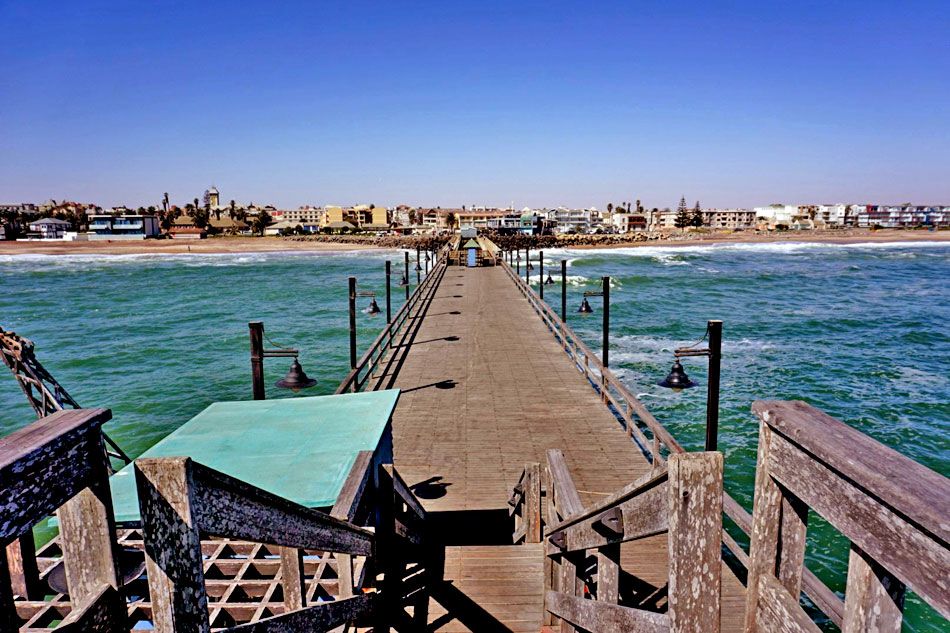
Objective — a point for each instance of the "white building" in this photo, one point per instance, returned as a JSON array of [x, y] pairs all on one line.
[[574, 220], [729, 218], [122, 227], [49, 229]]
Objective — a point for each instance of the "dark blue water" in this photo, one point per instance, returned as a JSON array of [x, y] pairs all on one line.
[[860, 331]]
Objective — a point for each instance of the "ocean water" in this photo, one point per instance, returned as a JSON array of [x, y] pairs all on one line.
[[860, 331]]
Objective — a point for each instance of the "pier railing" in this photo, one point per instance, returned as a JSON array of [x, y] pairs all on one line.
[[370, 369], [59, 464], [660, 444], [683, 498], [180, 500], [199, 526], [893, 510]]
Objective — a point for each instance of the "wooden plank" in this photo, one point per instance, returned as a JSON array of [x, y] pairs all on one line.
[[402, 489], [695, 530], [532, 502], [608, 573], [173, 556], [105, 613], [642, 515], [565, 491], [601, 617], [24, 574], [87, 538], [792, 532], [766, 519], [910, 553], [319, 617], [229, 507], [918, 493], [45, 464], [638, 487], [874, 599], [348, 501], [292, 578], [777, 611]]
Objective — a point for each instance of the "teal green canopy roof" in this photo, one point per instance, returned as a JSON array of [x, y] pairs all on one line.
[[301, 449], [471, 244]]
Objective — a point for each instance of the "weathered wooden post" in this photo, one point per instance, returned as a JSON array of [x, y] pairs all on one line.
[[389, 308], [527, 267], [695, 537], [256, 329], [564, 290], [352, 297], [293, 581], [172, 545], [532, 502]]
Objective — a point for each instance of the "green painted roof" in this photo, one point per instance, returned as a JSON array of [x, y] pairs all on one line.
[[301, 449], [471, 244]]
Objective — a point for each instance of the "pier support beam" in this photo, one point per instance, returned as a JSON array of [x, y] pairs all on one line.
[[606, 292], [407, 275], [541, 273]]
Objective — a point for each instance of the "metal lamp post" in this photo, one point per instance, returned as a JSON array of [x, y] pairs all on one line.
[[389, 303], [677, 380], [371, 310], [541, 273], [585, 309], [564, 290], [295, 380], [405, 275]]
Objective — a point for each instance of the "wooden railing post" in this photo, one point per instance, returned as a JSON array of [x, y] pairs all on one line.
[[779, 522], [695, 534], [873, 599], [24, 573], [532, 502], [172, 545], [292, 579]]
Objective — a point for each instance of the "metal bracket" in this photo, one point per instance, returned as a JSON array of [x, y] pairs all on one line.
[[611, 520]]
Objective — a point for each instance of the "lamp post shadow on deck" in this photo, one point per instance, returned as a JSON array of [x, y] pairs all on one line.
[[585, 309], [295, 380], [677, 380]]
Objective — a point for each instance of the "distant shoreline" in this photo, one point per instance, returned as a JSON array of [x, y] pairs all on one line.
[[278, 244]]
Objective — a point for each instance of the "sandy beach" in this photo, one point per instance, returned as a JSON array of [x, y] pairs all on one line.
[[274, 244]]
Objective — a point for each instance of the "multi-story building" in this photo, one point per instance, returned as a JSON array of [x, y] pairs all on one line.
[[129, 227], [729, 218], [575, 220], [476, 219], [902, 216], [310, 216], [358, 216], [628, 222]]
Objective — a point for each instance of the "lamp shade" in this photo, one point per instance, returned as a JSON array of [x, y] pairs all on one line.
[[585, 307], [677, 380], [296, 379], [372, 309], [403, 281], [549, 281]]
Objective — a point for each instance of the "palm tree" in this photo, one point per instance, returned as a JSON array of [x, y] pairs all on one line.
[[201, 217], [165, 201], [261, 222], [231, 212], [610, 207]]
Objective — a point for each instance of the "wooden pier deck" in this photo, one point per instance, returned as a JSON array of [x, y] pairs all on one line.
[[486, 389]]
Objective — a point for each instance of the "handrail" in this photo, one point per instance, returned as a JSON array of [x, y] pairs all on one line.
[[383, 342], [603, 380], [180, 499]]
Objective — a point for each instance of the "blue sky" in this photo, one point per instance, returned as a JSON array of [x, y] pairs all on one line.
[[733, 104]]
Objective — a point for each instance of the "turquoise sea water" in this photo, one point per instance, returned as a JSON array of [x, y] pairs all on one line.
[[860, 331]]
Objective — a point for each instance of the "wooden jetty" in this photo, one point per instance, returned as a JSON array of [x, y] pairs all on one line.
[[526, 489]]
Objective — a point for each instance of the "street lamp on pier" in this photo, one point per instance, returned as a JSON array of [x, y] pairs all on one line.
[[295, 380], [677, 380]]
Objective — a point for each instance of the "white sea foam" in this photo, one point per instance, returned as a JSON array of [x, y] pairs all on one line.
[[663, 252]]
